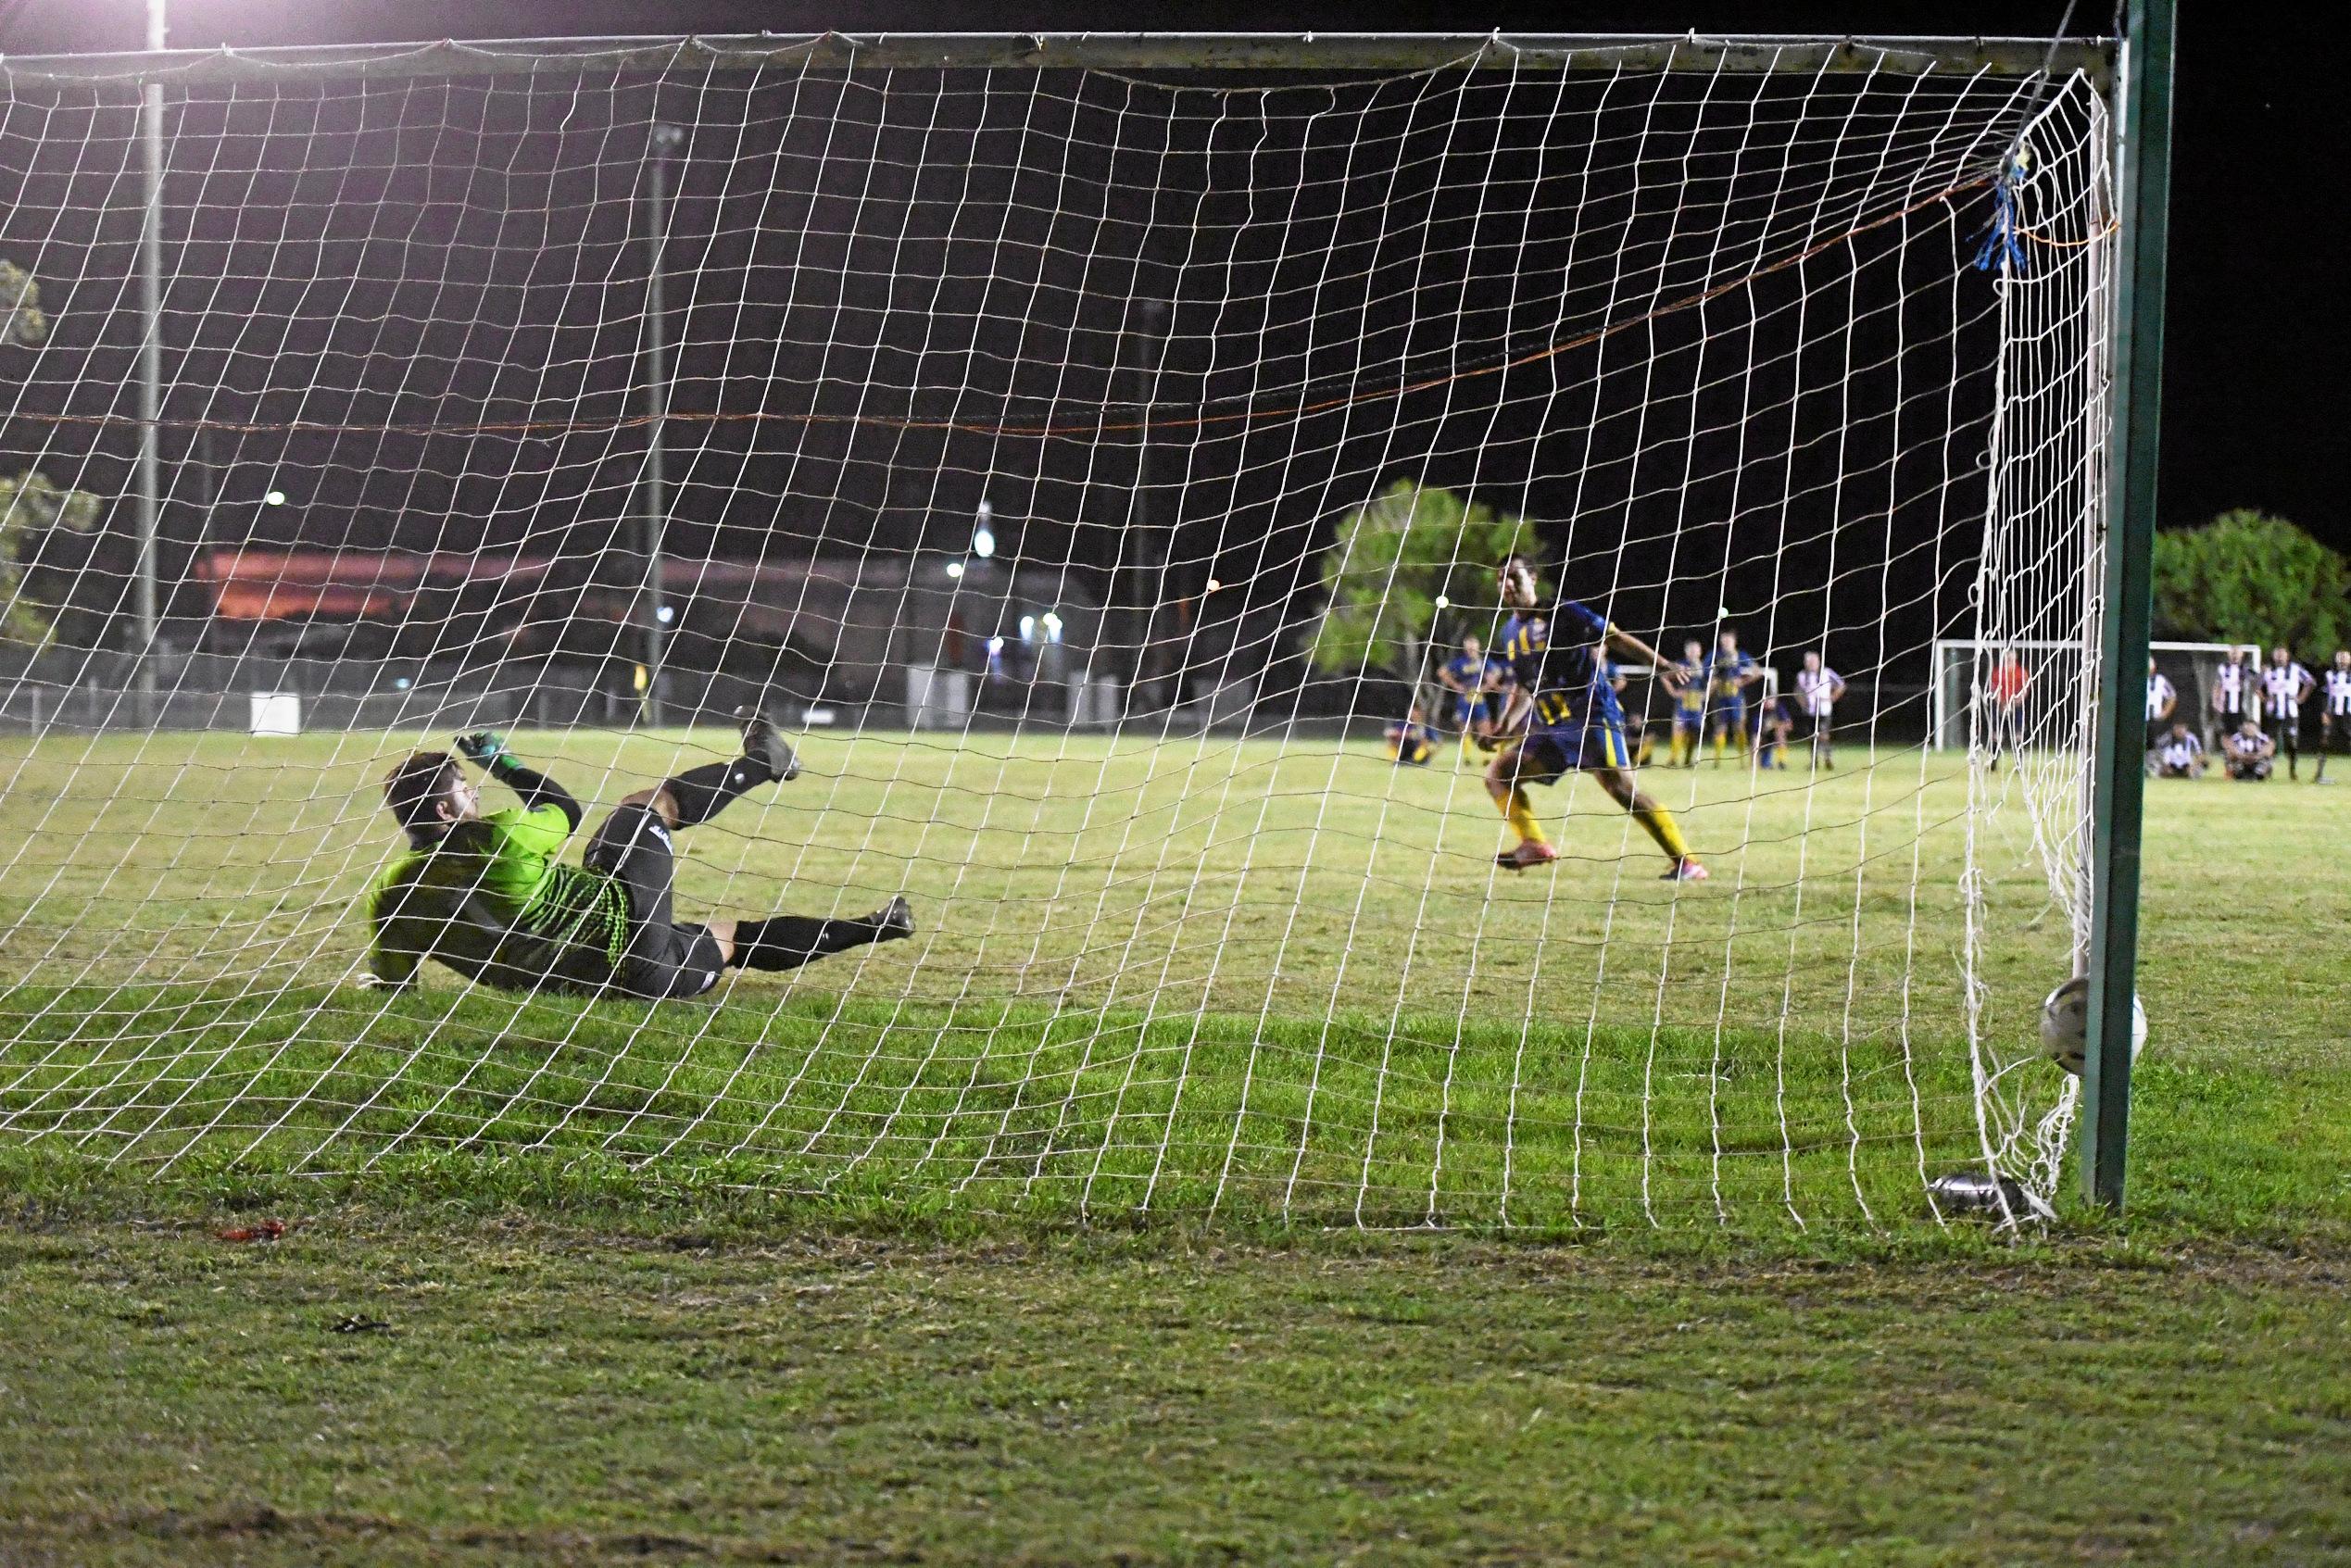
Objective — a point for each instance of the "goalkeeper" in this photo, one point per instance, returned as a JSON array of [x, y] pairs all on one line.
[[487, 895]]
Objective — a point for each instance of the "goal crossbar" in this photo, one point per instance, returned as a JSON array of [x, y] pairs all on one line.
[[1532, 53]]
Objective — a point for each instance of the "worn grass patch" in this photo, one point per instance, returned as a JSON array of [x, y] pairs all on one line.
[[374, 1388]]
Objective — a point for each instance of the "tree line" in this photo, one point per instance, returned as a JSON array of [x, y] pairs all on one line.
[[1412, 552]]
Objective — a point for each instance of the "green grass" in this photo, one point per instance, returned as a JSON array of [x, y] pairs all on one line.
[[1277, 980], [1017, 1246], [380, 1388]]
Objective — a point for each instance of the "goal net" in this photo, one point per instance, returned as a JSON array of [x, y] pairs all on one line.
[[1083, 452]]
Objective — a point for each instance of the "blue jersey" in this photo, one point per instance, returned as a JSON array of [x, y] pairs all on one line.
[[1559, 661], [1413, 743], [1500, 659], [1725, 673], [1470, 673], [1692, 699]]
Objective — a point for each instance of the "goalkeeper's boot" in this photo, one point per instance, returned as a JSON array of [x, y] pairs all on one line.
[[894, 921], [1527, 856], [1687, 869], [765, 744]]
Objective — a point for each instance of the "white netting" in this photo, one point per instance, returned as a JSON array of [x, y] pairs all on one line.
[[2032, 687], [1188, 940]]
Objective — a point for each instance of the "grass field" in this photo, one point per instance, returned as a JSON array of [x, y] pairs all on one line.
[[855, 1316], [1277, 980]]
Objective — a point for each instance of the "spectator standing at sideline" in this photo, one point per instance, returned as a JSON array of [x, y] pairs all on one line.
[[2231, 694], [1818, 689], [2006, 687], [2162, 698], [2335, 719], [2285, 686]]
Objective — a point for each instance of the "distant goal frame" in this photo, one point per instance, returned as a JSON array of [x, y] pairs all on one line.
[[1946, 718]]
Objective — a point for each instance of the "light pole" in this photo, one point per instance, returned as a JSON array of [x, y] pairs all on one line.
[[1145, 580], [150, 366], [665, 140]]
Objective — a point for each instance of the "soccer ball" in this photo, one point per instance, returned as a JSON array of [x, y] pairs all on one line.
[[2065, 1024]]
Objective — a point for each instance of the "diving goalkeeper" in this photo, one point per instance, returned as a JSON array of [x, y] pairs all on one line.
[[487, 895]]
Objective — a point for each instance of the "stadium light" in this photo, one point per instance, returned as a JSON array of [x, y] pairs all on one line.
[[1028, 628], [983, 536], [955, 569], [1213, 584], [1052, 624], [1444, 603], [665, 614], [275, 499]]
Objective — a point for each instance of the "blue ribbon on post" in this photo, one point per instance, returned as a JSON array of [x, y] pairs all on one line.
[[2003, 245]]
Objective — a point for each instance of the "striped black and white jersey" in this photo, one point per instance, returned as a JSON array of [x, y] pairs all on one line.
[[2232, 688], [1817, 691], [2160, 693], [2339, 692], [2282, 687], [2179, 751]]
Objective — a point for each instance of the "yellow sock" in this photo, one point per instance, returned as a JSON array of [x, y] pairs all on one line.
[[1722, 739], [1520, 813], [1659, 824]]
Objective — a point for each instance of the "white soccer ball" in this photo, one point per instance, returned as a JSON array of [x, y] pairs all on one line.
[[2065, 1024]]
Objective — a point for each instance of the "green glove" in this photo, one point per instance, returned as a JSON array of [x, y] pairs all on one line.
[[484, 748]]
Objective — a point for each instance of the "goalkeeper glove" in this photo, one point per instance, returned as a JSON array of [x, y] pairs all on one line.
[[484, 748]]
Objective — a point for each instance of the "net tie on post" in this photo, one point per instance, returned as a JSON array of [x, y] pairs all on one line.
[[2003, 248]]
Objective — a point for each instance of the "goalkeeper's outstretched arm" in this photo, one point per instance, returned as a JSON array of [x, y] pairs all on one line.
[[487, 749]]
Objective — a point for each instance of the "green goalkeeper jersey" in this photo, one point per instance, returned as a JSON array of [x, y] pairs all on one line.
[[491, 901]]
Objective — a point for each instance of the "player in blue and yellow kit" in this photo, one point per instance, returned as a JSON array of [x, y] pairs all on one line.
[[1729, 674], [1564, 712], [1690, 705], [1475, 677], [1413, 742]]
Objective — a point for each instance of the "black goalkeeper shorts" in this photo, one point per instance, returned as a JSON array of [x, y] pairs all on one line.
[[665, 958]]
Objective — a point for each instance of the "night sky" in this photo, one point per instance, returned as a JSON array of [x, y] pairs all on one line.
[[370, 261], [2253, 416]]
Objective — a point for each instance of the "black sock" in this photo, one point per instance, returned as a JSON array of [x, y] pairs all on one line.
[[702, 793], [789, 941]]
